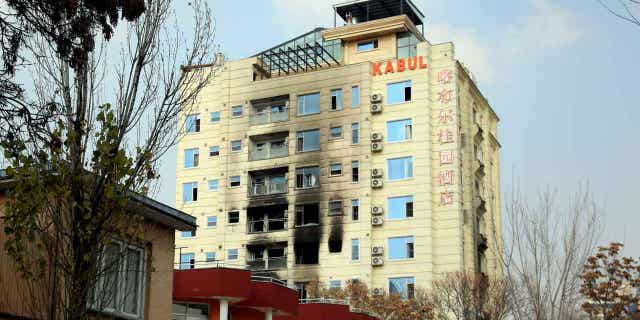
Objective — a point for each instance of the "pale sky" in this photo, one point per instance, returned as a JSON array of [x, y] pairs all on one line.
[[562, 75]]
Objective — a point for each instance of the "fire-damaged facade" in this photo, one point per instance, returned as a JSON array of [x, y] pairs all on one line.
[[361, 151]]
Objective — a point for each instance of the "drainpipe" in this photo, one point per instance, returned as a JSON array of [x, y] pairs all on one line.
[[268, 315], [224, 309]]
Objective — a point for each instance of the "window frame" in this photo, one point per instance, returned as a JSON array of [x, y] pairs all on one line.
[[217, 185], [194, 154], [235, 212], [407, 84], [121, 283], [231, 181], [331, 171], [409, 254], [302, 103], [355, 133], [212, 119], [335, 208], [317, 185], [193, 185], [196, 123], [206, 256], [374, 45], [339, 97], [301, 135], [188, 234], [355, 96], [229, 255], [215, 222], [355, 171], [211, 151], [232, 146], [233, 111], [407, 283], [355, 209], [408, 130], [332, 137], [407, 169], [355, 254], [389, 211]]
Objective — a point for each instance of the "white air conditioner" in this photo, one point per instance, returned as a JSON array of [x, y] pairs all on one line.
[[377, 221], [376, 251], [376, 173], [376, 136], [376, 183], [376, 107], [377, 210], [377, 261], [376, 146], [377, 291], [376, 97]]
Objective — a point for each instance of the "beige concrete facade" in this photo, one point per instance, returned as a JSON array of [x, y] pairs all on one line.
[[450, 156]]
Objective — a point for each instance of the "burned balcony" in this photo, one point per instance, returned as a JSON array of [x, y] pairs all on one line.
[[270, 110], [307, 233], [267, 257], [268, 182], [269, 146], [267, 218]]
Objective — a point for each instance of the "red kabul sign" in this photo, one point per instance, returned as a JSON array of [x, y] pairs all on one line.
[[400, 65]]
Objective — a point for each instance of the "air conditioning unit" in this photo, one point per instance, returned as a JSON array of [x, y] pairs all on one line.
[[376, 251], [376, 136], [376, 183], [376, 146], [377, 261], [377, 210], [376, 97], [377, 221], [377, 291], [376, 173], [376, 107]]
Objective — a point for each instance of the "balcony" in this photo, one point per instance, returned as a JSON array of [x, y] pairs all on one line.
[[267, 218], [269, 146], [478, 135], [268, 182], [270, 110], [483, 244], [275, 263], [480, 204], [479, 167]]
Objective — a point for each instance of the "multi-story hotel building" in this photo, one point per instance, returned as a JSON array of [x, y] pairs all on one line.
[[361, 151]]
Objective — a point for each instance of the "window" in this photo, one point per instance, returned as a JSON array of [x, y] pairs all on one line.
[[335, 132], [213, 185], [234, 217], [210, 256], [355, 96], [336, 99], [236, 145], [189, 192], [401, 248], [399, 130], [400, 207], [355, 249], [335, 208], [355, 209], [215, 117], [232, 254], [191, 158], [399, 92], [307, 214], [309, 103], [308, 140], [406, 43], [234, 181], [308, 177], [192, 123], [404, 287], [335, 284], [186, 311], [236, 111], [214, 151], [335, 169], [187, 261], [400, 168], [187, 234], [367, 45], [355, 133], [355, 171], [212, 221]]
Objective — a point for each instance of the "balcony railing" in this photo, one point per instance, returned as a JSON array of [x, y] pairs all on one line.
[[268, 189], [269, 153], [269, 225], [269, 116], [273, 263]]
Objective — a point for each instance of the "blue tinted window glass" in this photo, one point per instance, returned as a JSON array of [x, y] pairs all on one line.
[[400, 248], [396, 92], [399, 130], [400, 168], [191, 123], [191, 158], [397, 207], [213, 185], [187, 260], [355, 249], [309, 103], [211, 256], [189, 191], [212, 221], [232, 254], [215, 116], [355, 96], [401, 286]]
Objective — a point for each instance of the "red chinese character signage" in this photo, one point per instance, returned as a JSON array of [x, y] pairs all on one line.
[[446, 177], [445, 76], [445, 96], [446, 198], [400, 65], [445, 116], [446, 157], [445, 136]]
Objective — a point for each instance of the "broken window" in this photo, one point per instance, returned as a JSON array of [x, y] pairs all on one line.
[[335, 207], [307, 252], [307, 214]]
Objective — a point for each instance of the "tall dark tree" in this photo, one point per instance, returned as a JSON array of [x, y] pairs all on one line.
[[76, 152]]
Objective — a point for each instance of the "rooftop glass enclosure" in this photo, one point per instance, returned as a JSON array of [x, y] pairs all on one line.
[[303, 53]]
